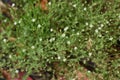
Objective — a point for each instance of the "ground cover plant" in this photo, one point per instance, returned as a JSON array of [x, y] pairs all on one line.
[[72, 35]]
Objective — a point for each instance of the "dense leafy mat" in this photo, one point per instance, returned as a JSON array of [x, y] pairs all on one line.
[[64, 39]]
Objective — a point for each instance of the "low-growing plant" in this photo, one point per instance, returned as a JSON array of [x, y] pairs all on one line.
[[70, 32]]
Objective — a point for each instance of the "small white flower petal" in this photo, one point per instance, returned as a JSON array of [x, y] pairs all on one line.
[[15, 23], [74, 5], [13, 4], [78, 33], [96, 30], [68, 42], [16, 71], [23, 50], [5, 20], [75, 48], [90, 54], [33, 47], [91, 25], [52, 39], [33, 20], [59, 57], [73, 30], [111, 38], [102, 25], [100, 28], [64, 59], [19, 21], [83, 30], [99, 35], [66, 28], [49, 3], [10, 56], [40, 39], [51, 30], [39, 26], [5, 40], [85, 9], [86, 24], [63, 35]]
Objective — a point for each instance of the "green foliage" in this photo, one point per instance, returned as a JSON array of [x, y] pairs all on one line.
[[36, 39]]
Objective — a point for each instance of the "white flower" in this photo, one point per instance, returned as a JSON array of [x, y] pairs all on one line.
[[5, 40], [110, 20], [51, 30], [59, 57], [107, 22], [68, 42], [74, 79], [118, 71], [90, 54], [66, 28], [33, 20], [52, 58], [48, 60], [10, 56], [88, 71], [86, 24], [23, 50], [83, 30], [13, 4], [106, 31], [111, 38], [16, 71], [85, 9], [73, 30], [52, 39], [33, 47], [63, 35], [15, 23], [119, 16], [74, 5], [75, 48], [91, 25], [78, 33], [99, 28], [39, 26], [64, 59], [66, 37], [96, 30], [102, 25], [99, 35], [49, 3], [5, 20], [19, 21], [119, 38], [40, 39]]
